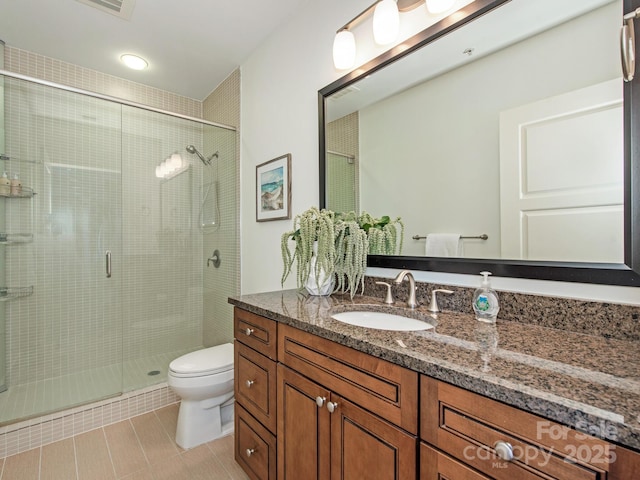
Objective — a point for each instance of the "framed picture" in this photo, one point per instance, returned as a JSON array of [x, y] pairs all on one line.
[[273, 192]]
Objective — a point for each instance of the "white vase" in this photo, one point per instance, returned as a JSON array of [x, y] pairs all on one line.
[[324, 284]]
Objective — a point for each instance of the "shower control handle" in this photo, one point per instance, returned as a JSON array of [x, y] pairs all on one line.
[[214, 259], [108, 266]]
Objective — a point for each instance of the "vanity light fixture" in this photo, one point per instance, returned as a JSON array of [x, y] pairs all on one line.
[[386, 26], [436, 7], [385, 16], [344, 50], [134, 61], [386, 22], [171, 166]]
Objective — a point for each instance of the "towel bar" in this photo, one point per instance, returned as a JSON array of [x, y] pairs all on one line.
[[484, 236]]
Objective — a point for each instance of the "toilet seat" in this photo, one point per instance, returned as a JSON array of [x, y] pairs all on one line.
[[207, 361]]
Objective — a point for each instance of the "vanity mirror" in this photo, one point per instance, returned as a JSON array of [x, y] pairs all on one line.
[[508, 119]]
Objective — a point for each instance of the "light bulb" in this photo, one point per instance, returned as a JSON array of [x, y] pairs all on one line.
[[439, 6], [344, 50], [386, 22]]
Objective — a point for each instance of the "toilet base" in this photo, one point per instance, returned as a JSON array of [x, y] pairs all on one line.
[[198, 425]]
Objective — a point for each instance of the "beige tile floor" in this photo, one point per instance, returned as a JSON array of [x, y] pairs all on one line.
[[141, 448]]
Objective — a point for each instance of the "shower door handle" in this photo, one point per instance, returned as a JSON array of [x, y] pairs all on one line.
[[108, 255]]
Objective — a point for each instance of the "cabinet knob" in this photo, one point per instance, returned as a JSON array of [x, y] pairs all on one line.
[[504, 450], [320, 401], [249, 383], [331, 406], [250, 451], [248, 331]]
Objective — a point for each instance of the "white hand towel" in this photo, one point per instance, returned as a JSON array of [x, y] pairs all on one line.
[[443, 245]]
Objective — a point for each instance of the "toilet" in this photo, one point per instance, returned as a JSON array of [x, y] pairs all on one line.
[[204, 381]]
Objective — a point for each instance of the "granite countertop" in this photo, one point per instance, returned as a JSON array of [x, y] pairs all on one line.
[[584, 381]]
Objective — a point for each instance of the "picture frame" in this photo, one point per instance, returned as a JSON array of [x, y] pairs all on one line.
[[273, 189]]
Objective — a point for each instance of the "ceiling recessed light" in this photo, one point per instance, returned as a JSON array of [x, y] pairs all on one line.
[[133, 61]]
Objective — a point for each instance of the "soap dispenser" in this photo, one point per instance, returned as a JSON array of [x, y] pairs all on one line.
[[485, 301], [5, 188]]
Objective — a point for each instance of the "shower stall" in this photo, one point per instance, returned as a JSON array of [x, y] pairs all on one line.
[[101, 250]]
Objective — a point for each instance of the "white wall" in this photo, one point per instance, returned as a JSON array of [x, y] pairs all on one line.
[[280, 82]]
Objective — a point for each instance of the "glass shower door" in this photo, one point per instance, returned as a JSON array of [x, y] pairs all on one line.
[[65, 340]]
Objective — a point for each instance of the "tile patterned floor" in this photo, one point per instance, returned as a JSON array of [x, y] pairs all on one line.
[[141, 448]]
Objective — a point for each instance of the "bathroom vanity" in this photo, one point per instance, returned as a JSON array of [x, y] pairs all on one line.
[[317, 398]]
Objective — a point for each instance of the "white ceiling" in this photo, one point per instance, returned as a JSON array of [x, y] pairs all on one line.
[[191, 45]]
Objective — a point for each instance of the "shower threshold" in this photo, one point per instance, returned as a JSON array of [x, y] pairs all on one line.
[[34, 399]]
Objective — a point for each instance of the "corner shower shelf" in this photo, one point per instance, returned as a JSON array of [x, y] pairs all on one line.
[[8, 293], [25, 193], [6, 158], [12, 238]]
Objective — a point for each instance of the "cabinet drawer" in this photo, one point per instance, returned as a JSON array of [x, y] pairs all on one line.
[[255, 385], [468, 427], [255, 447], [435, 465], [381, 387], [255, 331]]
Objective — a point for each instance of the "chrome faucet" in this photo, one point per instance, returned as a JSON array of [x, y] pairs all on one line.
[[411, 301]]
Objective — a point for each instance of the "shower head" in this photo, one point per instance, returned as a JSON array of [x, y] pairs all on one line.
[[207, 161]]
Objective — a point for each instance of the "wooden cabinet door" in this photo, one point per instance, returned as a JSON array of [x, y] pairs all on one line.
[[303, 428], [435, 465], [364, 446]]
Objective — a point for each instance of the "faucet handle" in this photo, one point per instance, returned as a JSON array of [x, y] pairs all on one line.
[[389, 297], [433, 306]]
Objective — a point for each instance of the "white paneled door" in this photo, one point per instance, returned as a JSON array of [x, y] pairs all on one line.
[[561, 177]]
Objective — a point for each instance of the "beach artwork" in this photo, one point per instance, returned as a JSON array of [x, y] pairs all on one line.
[[271, 188], [273, 192]]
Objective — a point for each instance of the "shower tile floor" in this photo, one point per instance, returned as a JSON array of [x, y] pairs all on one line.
[[51, 395], [141, 448]]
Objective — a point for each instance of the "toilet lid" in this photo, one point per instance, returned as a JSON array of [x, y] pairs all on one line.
[[204, 362]]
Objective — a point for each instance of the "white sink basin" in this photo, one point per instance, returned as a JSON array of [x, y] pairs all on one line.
[[381, 321]]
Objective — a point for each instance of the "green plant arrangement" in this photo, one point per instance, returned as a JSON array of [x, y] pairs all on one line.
[[342, 242], [352, 246], [382, 233], [312, 225]]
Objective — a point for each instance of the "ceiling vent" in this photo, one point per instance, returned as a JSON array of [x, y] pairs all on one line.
[[344, 91], [120, 8]]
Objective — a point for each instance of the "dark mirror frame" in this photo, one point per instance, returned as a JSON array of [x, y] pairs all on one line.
[[626, 274]]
